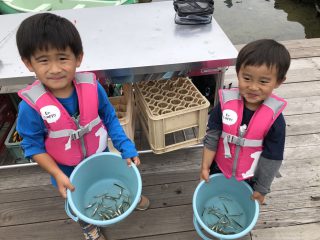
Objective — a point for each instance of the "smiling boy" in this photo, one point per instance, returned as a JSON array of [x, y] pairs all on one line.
[[246, 131], [64, 116]]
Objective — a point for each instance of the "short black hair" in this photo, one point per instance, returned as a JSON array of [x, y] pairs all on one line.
[[44, 30], [265, 51]]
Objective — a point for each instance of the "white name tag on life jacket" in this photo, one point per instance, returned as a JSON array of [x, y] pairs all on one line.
[[229, 117], [50, 113]]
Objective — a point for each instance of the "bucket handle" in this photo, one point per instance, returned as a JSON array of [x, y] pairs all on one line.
[[198, 229], [67, 209]]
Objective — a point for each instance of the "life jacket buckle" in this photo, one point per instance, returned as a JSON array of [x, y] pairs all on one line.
[[236, 140], [79, 133], [239, 141]]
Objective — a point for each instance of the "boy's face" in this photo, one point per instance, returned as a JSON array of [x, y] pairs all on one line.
[[256, 84], [55, 69]]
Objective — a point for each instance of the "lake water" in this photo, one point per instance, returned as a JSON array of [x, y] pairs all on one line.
[[247, 20]]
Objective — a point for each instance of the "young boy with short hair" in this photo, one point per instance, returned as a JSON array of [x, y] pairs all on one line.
[[64, 116], [246, 130]]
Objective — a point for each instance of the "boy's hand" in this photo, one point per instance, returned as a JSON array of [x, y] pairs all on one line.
[[258, 196], [136, 161], [204, 174], [63, 183]]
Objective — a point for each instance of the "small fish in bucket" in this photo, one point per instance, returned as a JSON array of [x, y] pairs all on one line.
[[223, 208], [106, 190]]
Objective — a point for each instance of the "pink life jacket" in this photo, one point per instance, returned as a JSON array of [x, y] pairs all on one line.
[[70, 140], [239, 149]]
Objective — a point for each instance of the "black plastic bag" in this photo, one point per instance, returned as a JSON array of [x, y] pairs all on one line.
[[185, 8]]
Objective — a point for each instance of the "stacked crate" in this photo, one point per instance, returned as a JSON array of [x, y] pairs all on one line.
[[7, 117], [124, 107], [173, 113], [13, 145]]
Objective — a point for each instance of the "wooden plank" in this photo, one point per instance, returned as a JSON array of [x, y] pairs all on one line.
[[296, 176], [161, 196], [299, 43], [316, 60], [20, 171], [28, 193], [302, 105], [164, 221], [303, 63], [174, 194], [52, 207], [299, 48], [302, 124], [293, 76], [289, 217], [189, 235], [302, 140], [298, 232], [172, 177], [294, 90], [47, 191], [297, 197], [36, 210], [162, 191], [301, 70], [53, 230], [305, 52], [71, 231], [303, 152], [180, 160], [174, 236], [297, 207], [35, 179]]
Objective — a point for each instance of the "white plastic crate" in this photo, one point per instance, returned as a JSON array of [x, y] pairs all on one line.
[[173, 113]]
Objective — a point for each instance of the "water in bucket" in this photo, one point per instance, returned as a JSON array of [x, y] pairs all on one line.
[[106, 200], [99, 175], [223, 208], [224, 215]]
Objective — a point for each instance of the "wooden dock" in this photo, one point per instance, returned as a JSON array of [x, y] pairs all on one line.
[[31, 209]]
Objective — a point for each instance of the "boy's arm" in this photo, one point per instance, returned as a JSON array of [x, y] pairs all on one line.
[[210, 143], [264, 175], [108, 115], [271, 158], [207, 159], [46, 162]]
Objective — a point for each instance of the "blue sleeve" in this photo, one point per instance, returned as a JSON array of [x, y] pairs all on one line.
[[273, 144], [31, 128], [215, 118], [115, 131]]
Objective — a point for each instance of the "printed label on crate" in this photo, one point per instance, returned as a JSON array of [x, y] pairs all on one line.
[[50, 113]]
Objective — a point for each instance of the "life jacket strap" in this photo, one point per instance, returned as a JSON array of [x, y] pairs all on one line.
[[74, 134], [239, 141]]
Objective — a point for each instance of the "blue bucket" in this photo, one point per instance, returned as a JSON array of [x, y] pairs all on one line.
[[97, 174], [227, 196]]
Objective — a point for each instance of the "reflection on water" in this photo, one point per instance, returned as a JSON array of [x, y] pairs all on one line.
[[304, 14], [247, 20], [228, 3]]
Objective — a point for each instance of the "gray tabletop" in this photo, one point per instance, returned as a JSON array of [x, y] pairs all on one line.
[[128, 39]]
